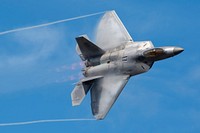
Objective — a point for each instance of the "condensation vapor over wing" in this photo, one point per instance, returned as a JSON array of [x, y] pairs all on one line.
[[110, 32], [38, 56]]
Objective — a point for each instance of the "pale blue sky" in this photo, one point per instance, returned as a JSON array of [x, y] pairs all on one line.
[[38, 67]]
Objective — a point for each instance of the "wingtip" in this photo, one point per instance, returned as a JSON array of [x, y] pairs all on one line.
[[99, 117]]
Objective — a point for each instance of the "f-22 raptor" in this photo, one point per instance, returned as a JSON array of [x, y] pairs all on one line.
[[112, 62]]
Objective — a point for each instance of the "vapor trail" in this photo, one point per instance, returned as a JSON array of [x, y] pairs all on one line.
[[43, 121], [50, 23]]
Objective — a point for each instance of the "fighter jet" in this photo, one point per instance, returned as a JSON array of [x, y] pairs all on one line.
[[111, 62]]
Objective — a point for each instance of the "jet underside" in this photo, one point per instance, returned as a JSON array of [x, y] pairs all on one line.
[[111, 62]]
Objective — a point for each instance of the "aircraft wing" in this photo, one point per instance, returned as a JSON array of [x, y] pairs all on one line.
[[105, 92], [110, 32]]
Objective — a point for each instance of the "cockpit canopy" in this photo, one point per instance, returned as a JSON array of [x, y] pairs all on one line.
[[153, 53]]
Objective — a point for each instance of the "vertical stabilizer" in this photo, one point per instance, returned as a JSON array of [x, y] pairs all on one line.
[[87, 49]]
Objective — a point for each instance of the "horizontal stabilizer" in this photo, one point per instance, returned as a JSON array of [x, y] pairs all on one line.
[[87, 49], [81, 90]]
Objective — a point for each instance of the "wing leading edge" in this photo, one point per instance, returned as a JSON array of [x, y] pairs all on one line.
[[111, 32], [105, 92]]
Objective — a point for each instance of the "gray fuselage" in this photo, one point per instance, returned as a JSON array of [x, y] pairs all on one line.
[[121, 60]]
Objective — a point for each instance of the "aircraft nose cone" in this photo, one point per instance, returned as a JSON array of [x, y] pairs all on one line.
[[178, 50]]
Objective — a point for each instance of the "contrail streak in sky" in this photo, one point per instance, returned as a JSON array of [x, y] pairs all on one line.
[[43, 121], [50, 23]]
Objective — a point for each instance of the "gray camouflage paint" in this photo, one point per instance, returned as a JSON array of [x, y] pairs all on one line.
[[118, 58]]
